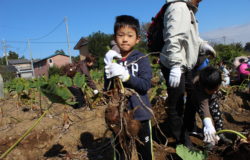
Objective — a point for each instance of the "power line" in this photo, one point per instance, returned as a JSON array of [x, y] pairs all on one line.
[[40, 42], [53, 30], [34, 40]]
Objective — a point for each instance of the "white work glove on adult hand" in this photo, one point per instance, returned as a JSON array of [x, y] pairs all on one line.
[[110, 55], [209, 132], [207, 49], [96, 91], [175, 77], [114, 69]]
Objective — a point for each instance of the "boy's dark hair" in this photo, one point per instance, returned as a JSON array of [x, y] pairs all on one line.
[[210, 77], [126, 20], [242, 60]]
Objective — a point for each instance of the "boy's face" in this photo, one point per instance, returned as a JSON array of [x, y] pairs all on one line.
[[89, 64], [126, 39], [211, 91]]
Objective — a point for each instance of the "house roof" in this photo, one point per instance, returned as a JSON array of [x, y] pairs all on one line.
[[80, 43], [18, 61], [53, 55]]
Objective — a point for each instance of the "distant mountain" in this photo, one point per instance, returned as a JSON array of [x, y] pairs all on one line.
[[233, 34]]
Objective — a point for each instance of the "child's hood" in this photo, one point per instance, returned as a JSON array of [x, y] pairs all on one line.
[[135, 55]]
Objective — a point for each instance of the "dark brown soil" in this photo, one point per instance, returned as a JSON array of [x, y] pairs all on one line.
[[67, 133]]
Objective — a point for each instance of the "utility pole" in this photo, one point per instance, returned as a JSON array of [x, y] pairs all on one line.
[[67, 32], [1, 87], [4, 52], [31, 59], [224, 39]]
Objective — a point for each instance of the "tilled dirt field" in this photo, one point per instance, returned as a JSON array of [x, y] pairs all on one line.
[[68, 133]]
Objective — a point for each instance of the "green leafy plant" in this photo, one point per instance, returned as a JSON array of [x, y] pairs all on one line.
[[67, 81], [18, 87], [57, 94], [187, 154], [97, 75], [79, 81]]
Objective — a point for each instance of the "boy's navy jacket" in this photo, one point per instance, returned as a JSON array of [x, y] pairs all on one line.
[[140, 80]]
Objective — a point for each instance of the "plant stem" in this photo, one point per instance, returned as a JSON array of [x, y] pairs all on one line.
[[231, 131], [25, 134]]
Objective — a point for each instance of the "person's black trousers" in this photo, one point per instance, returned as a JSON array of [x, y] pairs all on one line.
[[78, 94], [175, 102]]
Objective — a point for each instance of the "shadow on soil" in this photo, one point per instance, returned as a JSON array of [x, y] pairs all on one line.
[[55, 151], [98, 149], [230, 119], [245, 99]]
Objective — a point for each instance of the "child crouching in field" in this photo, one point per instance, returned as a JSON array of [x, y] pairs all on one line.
[[201, 98], [135, 72]]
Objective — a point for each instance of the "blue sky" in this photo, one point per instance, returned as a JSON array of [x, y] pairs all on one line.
[[42, 20]]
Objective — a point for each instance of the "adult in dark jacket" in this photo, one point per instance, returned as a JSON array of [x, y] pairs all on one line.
[[83, 68]]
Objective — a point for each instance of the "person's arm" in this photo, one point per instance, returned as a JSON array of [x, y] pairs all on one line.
[[177, 22], [204, 107], [208, 126], [85, 71]]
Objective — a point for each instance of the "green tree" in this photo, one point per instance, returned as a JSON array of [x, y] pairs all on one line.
[[75, 59], [247, 47], [142, 45], [98, 46], [8, 72], [227, 53], [54, 70], [60, 52], [2, 61], [144, 29], [22, 57], [12, 55]]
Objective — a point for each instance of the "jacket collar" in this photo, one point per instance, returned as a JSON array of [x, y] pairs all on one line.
[[189, 4]]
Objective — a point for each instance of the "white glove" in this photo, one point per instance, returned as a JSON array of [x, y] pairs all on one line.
[[206, 49], [96, 91], [114, 69], [110, 55], [209, 132], [175, 77]]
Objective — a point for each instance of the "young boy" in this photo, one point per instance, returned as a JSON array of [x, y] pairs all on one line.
[[201, 98], [202, 62], [135, 72]]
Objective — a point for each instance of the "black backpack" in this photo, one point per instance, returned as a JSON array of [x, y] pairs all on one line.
[[155, 40]]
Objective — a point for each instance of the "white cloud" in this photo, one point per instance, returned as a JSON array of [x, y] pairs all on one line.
[[233, 34]]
